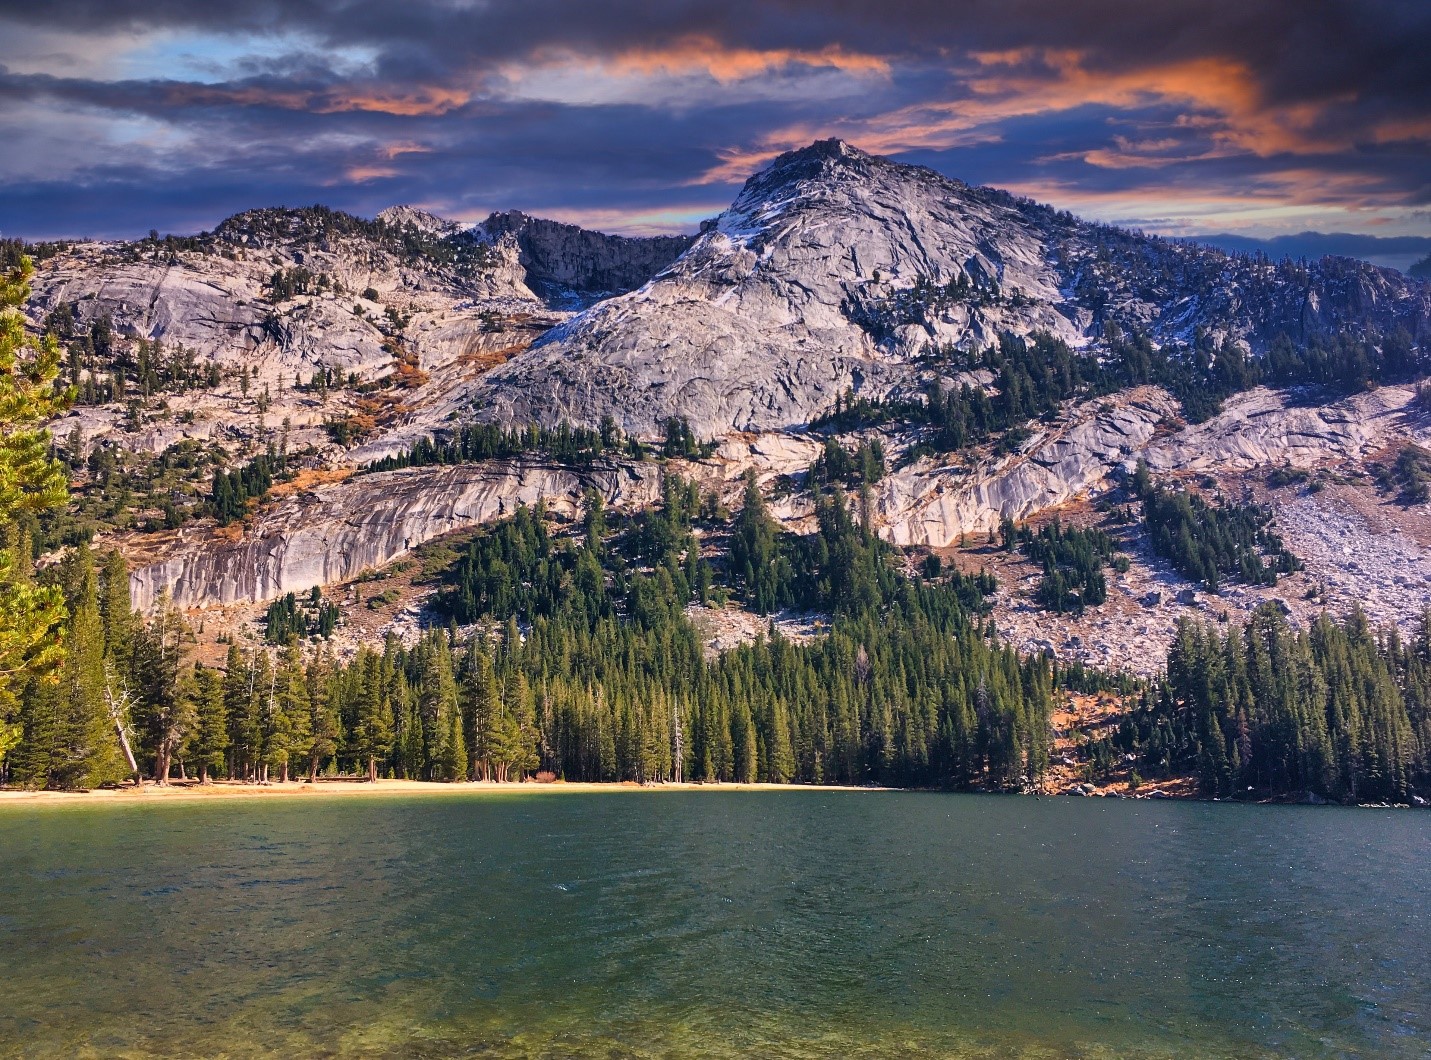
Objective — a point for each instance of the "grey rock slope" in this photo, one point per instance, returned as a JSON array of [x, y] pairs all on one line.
[[1096, 443], [212, 293], [833, 269], [332, 533]]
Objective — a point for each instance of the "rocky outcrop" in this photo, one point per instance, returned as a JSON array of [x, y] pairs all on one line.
[[1268, 428], [833, 269], [332, 533], [935, 507], [1100, 442]]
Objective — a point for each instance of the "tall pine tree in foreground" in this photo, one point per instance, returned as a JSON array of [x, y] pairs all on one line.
[[32, 617]]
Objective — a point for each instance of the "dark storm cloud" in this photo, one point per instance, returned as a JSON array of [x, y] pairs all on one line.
[[626, 109]]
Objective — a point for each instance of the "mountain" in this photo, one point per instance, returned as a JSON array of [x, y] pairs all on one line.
[[834, 270], [333, 342]]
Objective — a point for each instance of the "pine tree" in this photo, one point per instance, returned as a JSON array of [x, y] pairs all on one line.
[[325, 724], [290, 734], [484, 708], [211, 736], [452, 763], [32, 617], [163, 717], [373, 733], [70, 739]]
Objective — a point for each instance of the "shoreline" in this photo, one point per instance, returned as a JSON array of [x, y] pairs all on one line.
[[230, 791], [192, 791]]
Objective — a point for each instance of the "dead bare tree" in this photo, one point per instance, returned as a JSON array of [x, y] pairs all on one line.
[[118, 707]]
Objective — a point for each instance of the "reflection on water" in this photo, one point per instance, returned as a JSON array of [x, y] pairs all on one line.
[[799, 923]]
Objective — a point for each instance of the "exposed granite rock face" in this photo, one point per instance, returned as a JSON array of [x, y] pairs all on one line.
[[419, 219], [1263, 427], [831, 271], [215, 301], [562, 260], [332, 533], [211, 294], [1101, 441], [934, 507]]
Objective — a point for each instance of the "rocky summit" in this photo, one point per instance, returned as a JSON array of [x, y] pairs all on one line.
[[1007, 361], [834, 270]]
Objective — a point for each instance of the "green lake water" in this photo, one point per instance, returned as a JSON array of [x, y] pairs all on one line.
[[800, 923]]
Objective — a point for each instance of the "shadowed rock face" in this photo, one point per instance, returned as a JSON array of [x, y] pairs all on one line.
[[332, 533], [563, 261], [832, 269], [935, 507]]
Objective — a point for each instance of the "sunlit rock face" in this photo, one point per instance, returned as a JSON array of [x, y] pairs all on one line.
[[333, 533], [834, 269]]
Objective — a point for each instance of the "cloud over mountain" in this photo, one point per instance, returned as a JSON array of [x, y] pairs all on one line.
[[1252, 117]]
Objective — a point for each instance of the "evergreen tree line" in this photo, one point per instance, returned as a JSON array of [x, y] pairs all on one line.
[[681, 442], [287, 619], [103, 369], [116, 694], [1072, 559], [577, 446], [234, 488], [1212, 544], [1336, 710], [906, 688], [287, 284], [836, 465], [1033, 376]]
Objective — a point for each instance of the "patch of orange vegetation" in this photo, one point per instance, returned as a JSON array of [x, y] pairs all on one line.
[[308, 479], [1080, 718], [407, 374], [233, 532], [480, 360]]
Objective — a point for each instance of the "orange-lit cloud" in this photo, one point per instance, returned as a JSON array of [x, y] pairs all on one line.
[[359, 174], [405, 148], [1225, 107], [700, 54], [415, 101], [724, 64], [1031, 81], [419, 101]]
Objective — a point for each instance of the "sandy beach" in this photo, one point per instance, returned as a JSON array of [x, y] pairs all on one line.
[[192, 791]]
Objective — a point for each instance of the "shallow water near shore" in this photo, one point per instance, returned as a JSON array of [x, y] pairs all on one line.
[[803, 923]]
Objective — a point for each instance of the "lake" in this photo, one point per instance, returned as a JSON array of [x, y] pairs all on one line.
[[795, 923]]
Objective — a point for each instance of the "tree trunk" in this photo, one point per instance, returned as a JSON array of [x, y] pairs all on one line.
[[313, 770], [372, 770], [161, 765], [203, 772], [116, 715]]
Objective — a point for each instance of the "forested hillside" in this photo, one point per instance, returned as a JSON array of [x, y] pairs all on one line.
[[1339, 710], [583, 664]]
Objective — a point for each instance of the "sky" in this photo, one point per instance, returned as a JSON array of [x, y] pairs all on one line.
[[1252, 118]]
